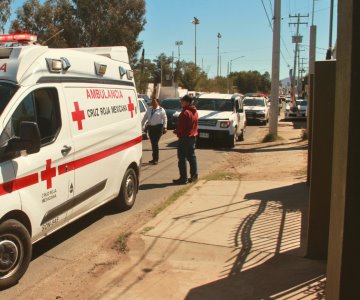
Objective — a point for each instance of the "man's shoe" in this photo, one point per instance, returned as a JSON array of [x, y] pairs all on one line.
[[153, 162], [193, 179], [180, 181]]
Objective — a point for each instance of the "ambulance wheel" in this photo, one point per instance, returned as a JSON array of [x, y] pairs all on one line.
[[128, 190], [15, 252]]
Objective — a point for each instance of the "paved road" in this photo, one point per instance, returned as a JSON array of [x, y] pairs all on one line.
[[77, 240]]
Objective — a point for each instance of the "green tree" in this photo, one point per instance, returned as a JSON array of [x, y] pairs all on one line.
[[144, 74], [190, 76], [111, 22], [251, 81], [4, 13], [46, 20], [84, 23], [162, 68]]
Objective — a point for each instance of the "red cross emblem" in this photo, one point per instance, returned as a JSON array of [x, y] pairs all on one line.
[[78, 115], [131, 107], [48, 174]]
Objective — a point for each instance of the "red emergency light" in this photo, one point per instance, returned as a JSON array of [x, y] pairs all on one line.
[[18, 37]]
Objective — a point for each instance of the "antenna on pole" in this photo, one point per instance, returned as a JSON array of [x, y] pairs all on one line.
[[60, 31]]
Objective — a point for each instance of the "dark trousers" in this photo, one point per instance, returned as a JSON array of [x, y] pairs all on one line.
[[186, 152], [155, 133]]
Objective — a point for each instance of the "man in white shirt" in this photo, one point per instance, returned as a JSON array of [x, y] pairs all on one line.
[[157, 122]]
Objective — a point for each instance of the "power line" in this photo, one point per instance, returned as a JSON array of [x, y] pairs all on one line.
[[270, 24], [267, 16]]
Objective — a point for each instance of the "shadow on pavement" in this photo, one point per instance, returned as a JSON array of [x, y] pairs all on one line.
[[150, 186], [271, 148], [268, 258]]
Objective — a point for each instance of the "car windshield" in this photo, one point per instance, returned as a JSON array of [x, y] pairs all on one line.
[[145, 97], [301, 102], [6, 92], [214, 104], [254, 102], [170, 103]]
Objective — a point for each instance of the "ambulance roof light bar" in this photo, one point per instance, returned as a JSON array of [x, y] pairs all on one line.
[[18, 38]]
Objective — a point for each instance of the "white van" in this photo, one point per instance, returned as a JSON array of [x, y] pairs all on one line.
[[70, 140]]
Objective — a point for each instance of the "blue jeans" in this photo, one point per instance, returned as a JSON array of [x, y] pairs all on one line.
[[186, 151]]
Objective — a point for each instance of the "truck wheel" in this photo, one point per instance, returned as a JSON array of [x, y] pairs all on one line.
[[128, 190], [242, 135], [231, 141], [15, 252]]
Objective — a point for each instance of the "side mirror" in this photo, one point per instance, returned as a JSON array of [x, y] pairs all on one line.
[[28, 141]]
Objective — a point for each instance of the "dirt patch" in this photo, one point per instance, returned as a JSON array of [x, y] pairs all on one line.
[[280, 160]]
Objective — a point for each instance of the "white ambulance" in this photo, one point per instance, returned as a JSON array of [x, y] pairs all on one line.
[[70, 140]]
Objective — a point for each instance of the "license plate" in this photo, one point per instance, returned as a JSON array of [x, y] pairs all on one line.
[[204, 135]]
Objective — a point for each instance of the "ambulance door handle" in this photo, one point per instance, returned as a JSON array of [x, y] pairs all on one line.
[[65, 150]]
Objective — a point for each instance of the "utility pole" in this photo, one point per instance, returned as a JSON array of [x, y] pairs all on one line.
[[312, 51], [312, 57], [329, 51], [218, 54], [275, 71], [297, 39], [195, 22], [179, 43], [228, 74], [299, 71]]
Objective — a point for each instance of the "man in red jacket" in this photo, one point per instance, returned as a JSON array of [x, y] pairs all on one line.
[[187, 131]]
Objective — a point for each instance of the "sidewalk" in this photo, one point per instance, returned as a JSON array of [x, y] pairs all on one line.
[[225, 239]]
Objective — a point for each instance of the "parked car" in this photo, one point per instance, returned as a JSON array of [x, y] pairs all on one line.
[[296, 112], [143, 109], [256, 109], [145, 97], [171, 105]]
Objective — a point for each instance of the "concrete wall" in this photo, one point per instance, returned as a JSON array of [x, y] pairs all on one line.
[[321, 158], [344, 247]]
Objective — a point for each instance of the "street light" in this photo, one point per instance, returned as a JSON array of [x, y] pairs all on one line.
[[231, 60], [229, 71], [179, 43], [195, 22], [218, 58]]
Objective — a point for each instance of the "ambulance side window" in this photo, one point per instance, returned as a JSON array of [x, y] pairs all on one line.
[[24, 112], [47, 114], [41, 106]]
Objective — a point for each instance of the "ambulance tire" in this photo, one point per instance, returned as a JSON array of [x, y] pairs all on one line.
[[15, 252], [128, 190]]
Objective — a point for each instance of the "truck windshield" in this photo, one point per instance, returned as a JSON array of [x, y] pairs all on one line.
[[6, 92], [214, 104], [253, 102]]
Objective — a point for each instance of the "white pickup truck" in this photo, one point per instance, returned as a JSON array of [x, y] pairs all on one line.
[[256, 109], [221, 117]]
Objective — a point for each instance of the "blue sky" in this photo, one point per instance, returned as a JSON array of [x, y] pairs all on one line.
[[243, 25]]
